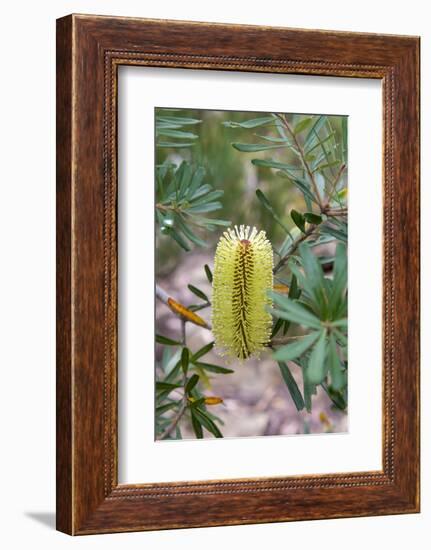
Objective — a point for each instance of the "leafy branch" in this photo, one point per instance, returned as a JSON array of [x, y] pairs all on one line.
[[314, 302], [186, 375]]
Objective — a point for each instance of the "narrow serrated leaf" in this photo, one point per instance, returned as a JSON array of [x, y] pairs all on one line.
[[302, 125], [207, 422], [292, 386], [198, 293], [298, 219], [312, 218], [191, 383], [208, 273], [255, 147], [316, 370], [212, 368], [338, 377], [296, 349], [203, 351], [197, 428], [252, 123], [160, 339], [185, 354]]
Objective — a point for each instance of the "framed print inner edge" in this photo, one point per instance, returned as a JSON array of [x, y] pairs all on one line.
[[112, 61], [108, 507]]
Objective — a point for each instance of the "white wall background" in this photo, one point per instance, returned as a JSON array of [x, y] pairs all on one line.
[[27, 279]]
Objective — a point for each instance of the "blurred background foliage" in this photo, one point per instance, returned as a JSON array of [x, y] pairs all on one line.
[[214, 168], [229, 170]]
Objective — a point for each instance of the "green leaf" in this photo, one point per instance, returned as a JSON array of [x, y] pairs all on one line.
[[338, 378], [313, 134], [184, 176], [185, 360], [337, 233], [316, 370], [275, 164], [213, 368], [326, 165], [302, 125], [174, 372], [197, 402], [188, 232], [198, 293], [178, 238], [338, 300], [167, 341], [336, 397], [203, 351], [166, 144], [254, 147], [309, 391], [295, 312], [305, 190], [273, 139], [292, 386], [179, 120], [298, 220], [343, 323], [277, 326], [162, 386], [164, 408], [206, 421], [265, 202], [208, 273], [196, 182], [294, 290], [207, 207], [341, 337], [252, 123], [315, 283], [340, 268], [176, 134], [164, 125], [199, 192], [344, 138], [197, 428], [312, 218], [191, 383], [260, 195], [319, 144], [214, 195], [292, 351]]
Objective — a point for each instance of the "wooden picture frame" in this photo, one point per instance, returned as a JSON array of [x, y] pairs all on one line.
[[89, 52]]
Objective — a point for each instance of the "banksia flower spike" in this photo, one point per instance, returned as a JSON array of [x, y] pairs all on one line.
[[242, 278]]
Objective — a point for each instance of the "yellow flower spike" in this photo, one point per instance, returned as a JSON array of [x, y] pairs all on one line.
[[242, 278]]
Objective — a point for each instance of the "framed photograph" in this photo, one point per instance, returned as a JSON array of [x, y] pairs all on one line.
[[237, 274]]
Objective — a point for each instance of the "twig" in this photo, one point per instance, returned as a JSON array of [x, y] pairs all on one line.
[[303, 160], [171, 427], [334, 187], [286, 340], [294, 247], [337, 212]]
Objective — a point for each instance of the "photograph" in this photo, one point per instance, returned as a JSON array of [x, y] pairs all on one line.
[[251, 273], [213, 321]]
